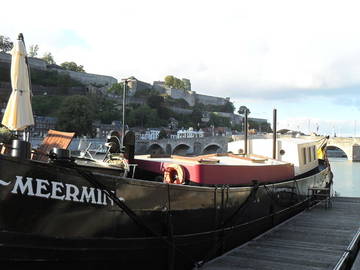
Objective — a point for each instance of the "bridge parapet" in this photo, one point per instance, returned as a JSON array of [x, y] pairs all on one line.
[[350, 146], [184, 146]]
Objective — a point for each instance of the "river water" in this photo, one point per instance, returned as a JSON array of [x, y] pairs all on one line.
[[346, 177]]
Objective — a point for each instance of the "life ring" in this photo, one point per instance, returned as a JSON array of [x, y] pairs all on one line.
[[174, 174]]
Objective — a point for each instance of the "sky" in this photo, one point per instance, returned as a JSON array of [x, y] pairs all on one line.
[[299, 57]]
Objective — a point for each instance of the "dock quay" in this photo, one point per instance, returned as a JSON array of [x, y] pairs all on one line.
[[318, 238]]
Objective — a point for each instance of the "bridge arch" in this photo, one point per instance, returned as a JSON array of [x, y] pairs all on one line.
[[155, 149], [346, 150], [181, 150], [342, 149], [212, 149]]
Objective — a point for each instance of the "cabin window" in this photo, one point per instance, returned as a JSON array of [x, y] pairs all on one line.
[[314, 152], [282, 152], [304, 155], [309, 154]]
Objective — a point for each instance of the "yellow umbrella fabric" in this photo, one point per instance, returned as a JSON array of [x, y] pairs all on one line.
[[18, 114]]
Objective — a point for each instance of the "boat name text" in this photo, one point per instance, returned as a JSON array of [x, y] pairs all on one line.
[[59, 191]]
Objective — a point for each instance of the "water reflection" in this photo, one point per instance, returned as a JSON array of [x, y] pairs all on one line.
[[346, 177]]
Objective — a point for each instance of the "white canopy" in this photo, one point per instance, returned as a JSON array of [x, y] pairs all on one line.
[[18, 114]]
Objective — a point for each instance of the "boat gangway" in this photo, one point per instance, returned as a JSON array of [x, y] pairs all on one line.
[[320, 237]]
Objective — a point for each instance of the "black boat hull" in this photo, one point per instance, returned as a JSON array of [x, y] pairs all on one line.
[[50, 214]]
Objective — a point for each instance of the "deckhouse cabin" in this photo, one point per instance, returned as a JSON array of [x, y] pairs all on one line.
[[300, 152]]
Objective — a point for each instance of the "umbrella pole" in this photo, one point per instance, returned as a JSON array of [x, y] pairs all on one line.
[[26, 134], [21, 37]]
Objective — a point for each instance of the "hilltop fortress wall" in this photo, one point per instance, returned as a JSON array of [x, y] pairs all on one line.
[[192, 97], [88, 79], [189, 96], [85, 78]]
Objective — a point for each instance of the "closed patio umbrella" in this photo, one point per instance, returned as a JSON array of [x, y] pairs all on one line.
[[18, 114]]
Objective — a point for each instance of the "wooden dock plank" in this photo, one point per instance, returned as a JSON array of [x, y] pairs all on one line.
[[315, 239]]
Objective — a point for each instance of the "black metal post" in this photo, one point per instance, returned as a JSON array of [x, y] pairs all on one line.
[[246, 132], [274, 134], [123, 122], [123, 116]]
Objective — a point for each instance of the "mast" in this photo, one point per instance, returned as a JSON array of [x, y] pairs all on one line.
[[246, 132], [274, 134], [123, 115]]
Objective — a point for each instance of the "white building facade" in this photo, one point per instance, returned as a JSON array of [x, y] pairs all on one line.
[[150, 134], [189, 133]]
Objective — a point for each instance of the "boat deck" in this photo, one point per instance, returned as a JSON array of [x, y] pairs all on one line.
[[219, 159], [317, 238], [218, 169]]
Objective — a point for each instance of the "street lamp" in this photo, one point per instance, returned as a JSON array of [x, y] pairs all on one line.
[[125, 81]]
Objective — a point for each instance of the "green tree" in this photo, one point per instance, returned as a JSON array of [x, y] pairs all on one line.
[[5, 44], [242, 110], [174, 82], [117, 89], [46, 105], [53, 78], [72, 66], [162, 134], [76, 115], [106, 109], [196, 116], [164, 113], [169, 80], [33, 50], [179, 84], [158, 103], [143, 116], [48, 58], [155, 101], [229, 107], [218, 121]]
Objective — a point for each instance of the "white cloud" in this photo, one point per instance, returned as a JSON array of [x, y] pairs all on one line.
[[257, 44], [255, 49]]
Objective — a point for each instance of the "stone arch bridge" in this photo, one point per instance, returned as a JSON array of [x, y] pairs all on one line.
[[191, 146], [350, 146]]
